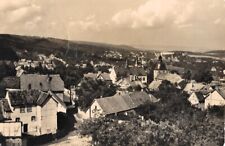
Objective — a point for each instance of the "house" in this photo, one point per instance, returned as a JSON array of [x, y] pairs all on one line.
[[119, 103], [216, 98], [213, 69], [197, 99], [45, 83], [193, 87], [113, 74], [36, 110], [138, 74], [124, 83]]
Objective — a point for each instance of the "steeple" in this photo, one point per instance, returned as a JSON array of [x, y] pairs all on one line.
[[161, 65]]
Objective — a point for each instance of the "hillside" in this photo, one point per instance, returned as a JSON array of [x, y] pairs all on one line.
[[33, 45]]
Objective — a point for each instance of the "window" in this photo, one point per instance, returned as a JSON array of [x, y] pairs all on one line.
[[33, 118], [22, 110], [29, 86], [41, 85], [29, 109], [143, 78], [17, 119]]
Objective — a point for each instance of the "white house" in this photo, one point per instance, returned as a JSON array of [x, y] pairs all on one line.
[[197, 100], [138, 74], [216, 98], [119, 103], [36, 110], [44, 83]]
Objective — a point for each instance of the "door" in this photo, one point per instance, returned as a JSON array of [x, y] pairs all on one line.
[[25, 128]]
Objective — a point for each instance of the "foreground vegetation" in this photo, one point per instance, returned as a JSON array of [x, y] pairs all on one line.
[[172, 121]]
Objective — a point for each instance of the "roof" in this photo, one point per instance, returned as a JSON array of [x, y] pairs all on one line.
[[137, 71], [91, 75], [105, 76], [154, 85], [6, 106], [200, 96], [26, 97], [193, 86], [221, 91], [42, 82], [173, 78], [11, 82], [31, 98], [119, 103]]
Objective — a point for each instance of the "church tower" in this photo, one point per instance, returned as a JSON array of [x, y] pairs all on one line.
[[160, 67]]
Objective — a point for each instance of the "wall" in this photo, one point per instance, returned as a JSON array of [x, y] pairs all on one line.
[[11, 129], [49, 117], [95, 111], [193, 99], [25, 118]]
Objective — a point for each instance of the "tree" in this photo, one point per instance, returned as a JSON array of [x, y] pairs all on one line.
[[187, 75]]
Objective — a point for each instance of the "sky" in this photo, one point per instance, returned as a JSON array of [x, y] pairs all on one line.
[[196, 25]]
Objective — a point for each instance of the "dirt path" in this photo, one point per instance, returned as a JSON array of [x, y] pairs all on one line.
[[72, 139]]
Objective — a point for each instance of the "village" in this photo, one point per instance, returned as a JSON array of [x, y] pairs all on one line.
[[38, 98]]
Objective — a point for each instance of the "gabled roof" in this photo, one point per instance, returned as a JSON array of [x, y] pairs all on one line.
[[221, 91], [200, 97], [120, 103], [42, 82], [31, 98]]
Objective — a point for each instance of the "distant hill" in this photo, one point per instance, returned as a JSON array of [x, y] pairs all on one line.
[[15, 43], [217, 53]]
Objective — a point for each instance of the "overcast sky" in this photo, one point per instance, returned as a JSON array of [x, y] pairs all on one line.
[[146, 23]]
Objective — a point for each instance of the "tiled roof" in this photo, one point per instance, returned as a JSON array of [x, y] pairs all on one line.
[[31, 98], [120, 103], [24, 98], [42, 82]]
